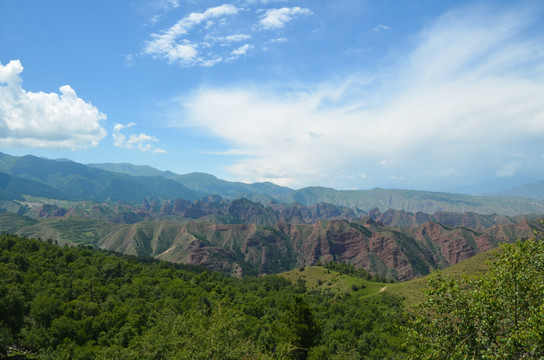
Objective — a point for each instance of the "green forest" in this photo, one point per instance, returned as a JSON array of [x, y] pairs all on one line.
[[83, 303]]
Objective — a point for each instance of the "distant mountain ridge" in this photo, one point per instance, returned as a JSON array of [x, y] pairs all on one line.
[[534, 190], [409, 200], [202, 182], [126, 182], [71, 180]]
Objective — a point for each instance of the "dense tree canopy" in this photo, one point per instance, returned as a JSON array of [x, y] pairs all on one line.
[[80, 303], [498, 315]]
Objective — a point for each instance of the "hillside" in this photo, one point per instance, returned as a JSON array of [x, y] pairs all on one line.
[[70, 180], [410, 290], [14, 188], [344, 281], [201, 182], [242, 247]]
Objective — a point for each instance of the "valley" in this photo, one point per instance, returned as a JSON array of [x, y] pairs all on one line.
[[254, 256]]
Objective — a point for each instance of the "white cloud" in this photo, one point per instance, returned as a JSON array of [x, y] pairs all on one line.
[[119, 127], [277, 18], [142, 142], [210, 37], [164, 6], [171, 46], [229, 38], [466, 94], [278, 40], [167, 4], [380, 27], [29, 119], [242, 50]]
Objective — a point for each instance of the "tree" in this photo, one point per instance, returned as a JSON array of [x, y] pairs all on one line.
[[299, 328], [219, 334], [497, 315]]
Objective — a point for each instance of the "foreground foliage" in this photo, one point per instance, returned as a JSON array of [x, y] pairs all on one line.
[[80, 303], [498, 315]]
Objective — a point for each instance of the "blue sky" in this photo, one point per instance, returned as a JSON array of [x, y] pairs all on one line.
[[432, 95]]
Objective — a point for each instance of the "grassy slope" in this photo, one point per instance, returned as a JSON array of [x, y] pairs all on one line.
[[411, 290], [319, 278]]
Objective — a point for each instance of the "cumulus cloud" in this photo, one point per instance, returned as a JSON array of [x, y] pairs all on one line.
[[277, 18], [142, 142], [49, 120], [466, 94]]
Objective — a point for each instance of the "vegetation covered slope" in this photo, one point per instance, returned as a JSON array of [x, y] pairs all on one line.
[[71, 180], [202, 182], [14, 188], [78, 303], [497, 315]]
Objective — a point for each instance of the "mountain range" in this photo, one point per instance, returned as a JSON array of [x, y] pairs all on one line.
[[241, 246], [64, 179], [259, 228]]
